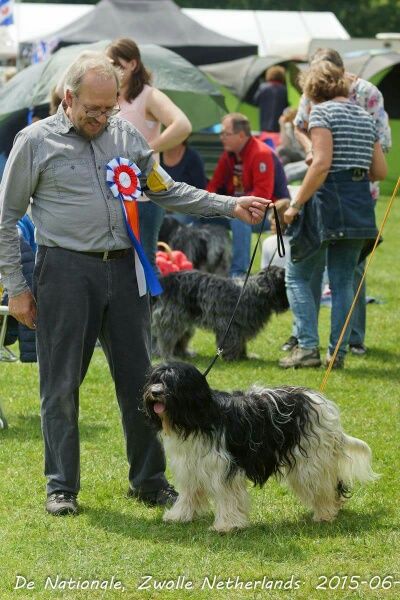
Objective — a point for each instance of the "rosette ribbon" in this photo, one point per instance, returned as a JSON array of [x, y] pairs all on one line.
[[122, 177]]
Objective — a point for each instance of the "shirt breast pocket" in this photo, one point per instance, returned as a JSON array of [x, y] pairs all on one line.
[[73, 180]]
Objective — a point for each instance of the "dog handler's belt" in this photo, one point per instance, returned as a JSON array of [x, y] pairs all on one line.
[[109, 254]]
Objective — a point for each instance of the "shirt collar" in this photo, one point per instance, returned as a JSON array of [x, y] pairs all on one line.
[[244, 150], [63, 122], [246, 147]]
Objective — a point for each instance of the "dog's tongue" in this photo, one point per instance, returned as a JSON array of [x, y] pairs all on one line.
[[158, 408]]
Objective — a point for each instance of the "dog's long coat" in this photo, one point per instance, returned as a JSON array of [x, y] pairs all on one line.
[[215, 441], [193, 299], [208, 247]]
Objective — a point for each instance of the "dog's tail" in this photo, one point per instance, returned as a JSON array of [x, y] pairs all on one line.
[[354, 464]]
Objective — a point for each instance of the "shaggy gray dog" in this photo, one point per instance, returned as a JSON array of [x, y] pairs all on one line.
[[208, 247], [193, 299]]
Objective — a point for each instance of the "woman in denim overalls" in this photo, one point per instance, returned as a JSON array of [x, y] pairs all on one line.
[[333, 217]]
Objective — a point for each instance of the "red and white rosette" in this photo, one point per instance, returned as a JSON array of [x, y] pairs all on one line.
[[123, 179]]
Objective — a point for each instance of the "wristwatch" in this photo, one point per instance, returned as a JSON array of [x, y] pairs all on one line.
[[296, 205]]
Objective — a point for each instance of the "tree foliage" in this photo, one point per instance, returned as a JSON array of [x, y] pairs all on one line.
[[361, 18]]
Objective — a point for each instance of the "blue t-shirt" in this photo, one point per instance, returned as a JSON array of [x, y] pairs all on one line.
[[189, 170], [280, 180], [272, 99]]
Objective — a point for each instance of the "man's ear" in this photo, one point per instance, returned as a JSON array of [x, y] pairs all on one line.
[[68, 98]]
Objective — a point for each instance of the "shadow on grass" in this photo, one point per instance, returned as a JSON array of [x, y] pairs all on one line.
[[27, 427], [202, 362], [278, 540], [364, 367], [23, 427], [382, 354], [372, 374]]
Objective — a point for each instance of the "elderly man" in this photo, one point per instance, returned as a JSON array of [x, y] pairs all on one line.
[[79, 168], [245, 167]]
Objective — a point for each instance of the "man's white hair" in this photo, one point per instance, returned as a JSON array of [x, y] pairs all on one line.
[[85, 62]]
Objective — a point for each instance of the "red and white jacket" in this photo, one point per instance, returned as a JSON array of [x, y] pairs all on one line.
[[258, 172]]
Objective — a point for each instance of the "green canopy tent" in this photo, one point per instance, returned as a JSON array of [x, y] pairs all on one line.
[[199, 99], [242, 76], [184, 83]]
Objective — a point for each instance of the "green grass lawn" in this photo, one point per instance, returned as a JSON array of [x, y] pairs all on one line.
[[114, 536]]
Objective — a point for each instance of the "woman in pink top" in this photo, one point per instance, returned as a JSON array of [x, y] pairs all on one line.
[[147, 109]]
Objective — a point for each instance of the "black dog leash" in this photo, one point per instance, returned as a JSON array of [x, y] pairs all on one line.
[[280, 247]]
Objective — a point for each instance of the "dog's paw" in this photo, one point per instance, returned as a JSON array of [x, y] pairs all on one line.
[[227, 527], [234, 357], [174, 516], [221, 530], [324, 517], [252, 356]]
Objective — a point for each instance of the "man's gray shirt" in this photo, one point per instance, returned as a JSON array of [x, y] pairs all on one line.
[[72, 205]]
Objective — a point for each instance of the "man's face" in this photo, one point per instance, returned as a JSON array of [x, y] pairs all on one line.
[[95, 94], [231, 141]]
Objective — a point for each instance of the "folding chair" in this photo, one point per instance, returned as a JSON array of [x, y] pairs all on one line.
[[5, 354]]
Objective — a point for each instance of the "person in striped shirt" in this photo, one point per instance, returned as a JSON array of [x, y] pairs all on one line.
[[367, 95], [333, 214]]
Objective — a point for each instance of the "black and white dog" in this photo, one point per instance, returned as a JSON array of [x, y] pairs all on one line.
[[193, 299], [215, 441], [208, 246]]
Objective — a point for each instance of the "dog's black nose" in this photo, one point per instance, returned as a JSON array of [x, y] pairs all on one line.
[[157, 390]]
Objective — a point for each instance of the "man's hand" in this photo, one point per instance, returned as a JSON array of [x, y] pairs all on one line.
[[251, 209], [23, 308], [290, 214]]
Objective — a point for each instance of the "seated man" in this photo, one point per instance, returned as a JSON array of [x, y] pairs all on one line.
[[245, 167]]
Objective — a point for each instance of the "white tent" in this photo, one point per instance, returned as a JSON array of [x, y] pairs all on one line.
[[354, 45], [277, 33], [283, 33], [35, 21]]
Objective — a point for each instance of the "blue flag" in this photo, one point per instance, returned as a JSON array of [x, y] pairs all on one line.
[[6, 13]]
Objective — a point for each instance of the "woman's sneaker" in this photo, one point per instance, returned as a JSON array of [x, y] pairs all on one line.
[[301, 357], [290, 344], [339, 361], [358, 349]]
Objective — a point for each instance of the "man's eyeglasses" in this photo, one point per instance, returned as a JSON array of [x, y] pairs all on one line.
[[227, 133], [95, 114]]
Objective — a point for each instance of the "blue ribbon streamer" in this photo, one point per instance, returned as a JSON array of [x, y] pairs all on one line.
[[152, 281]]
